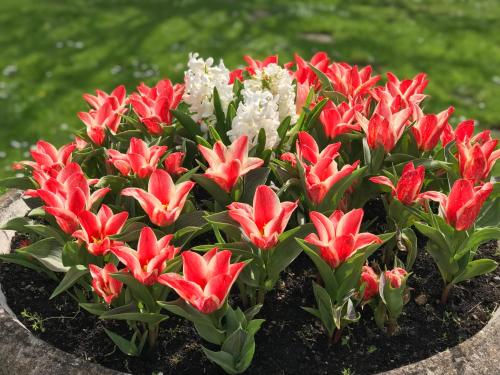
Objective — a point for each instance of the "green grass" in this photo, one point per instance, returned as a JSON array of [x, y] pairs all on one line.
[[53, 51]]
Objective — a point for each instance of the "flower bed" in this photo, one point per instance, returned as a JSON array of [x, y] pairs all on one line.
[[306, 186]]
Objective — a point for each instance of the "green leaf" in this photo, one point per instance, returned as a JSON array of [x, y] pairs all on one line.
[[21, 183], [130, 232], [28, 261], [337, 191], [247, 353], [48, 252], [326, 84], [234, 343], [209, 333], [325, 308], [70, 278], [287, 250], [434, 235], [150, 318], [187, 176], [47, 231], [251, 181], [409, 239], [74, 254], [126, 346], [480, 236], [140, 291], [95, 308], [222, 359], [115, 183], [476, 268], [213, 189], [223, 221], [17, 224], [324, 269], [392, 297], [192, 128]]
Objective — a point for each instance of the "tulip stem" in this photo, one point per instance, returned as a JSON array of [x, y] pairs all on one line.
[[152, 335], [446, 292], [337, 335], [391, 327]]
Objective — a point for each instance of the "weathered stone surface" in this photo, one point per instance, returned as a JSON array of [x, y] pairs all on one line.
[[477, 356], [23, 354]]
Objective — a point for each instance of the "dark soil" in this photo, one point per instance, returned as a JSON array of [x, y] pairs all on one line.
[[290, 342]]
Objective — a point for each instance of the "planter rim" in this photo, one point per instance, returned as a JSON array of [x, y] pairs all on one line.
[[22, 353]]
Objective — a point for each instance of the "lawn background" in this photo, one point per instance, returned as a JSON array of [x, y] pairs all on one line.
[[53, 51]]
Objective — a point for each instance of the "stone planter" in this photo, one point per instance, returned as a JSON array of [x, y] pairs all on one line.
[[22, 353]]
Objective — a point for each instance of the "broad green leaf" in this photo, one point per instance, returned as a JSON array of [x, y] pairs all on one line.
[[287, 250], [95, 308], [213, 189], [324, 269], [410, 242], [192, 128], [325, 308], [47, 231], [126, 346], [335, 194], [150, 318], [251, 181], [28, 261], [140, 291], [476, 268], [222, 359], [48, 252], [70, 278], [22, 183]]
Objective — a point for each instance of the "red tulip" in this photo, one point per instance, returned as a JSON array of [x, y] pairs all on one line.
[[289, 158], [254, 65], [236, 74], [139, 159], [428, 129], [173, 163], [149, 261], [153, 104], [164, 201], [307, 149], [396, 276], [266, 220], [340, 119], [407, 93], [323, 172], [48, 158], [464, 130], [96, 229], [384, 128], [370, 279], [67, 196], [227, 164], [408, 187], [477, 156], [338, 236], [97, 121], [304, 74], [103, 284], [206, 279], [463, 204], [117, 100], [351, 82]]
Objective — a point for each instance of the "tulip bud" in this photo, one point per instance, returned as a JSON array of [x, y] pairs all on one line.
[[370, 279], [396, 276]]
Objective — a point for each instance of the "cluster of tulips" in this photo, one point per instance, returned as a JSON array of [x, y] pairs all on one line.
[[159, 206]]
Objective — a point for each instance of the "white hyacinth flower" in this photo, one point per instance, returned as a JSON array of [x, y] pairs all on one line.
[[259, 110], [268, 98], [201, 78]]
